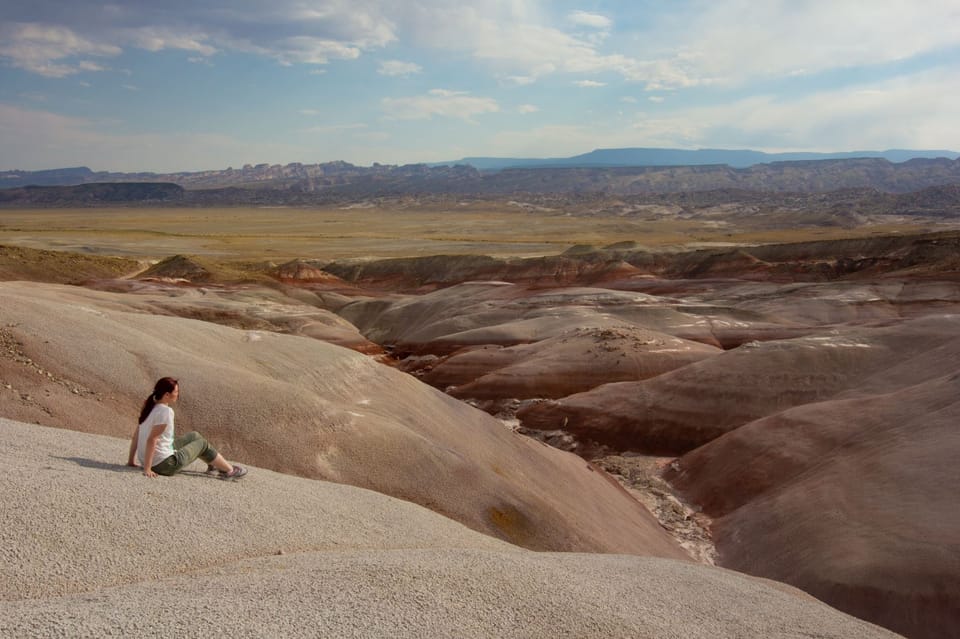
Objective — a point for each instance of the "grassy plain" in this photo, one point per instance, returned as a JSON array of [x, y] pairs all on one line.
[[374, 232]]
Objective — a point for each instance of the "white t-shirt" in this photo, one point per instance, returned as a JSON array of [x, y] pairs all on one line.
[[161, 414]]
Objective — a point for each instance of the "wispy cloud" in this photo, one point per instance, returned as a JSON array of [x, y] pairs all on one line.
[[694, 43], [828, 120], [512, 38], [735, 41], [853, 118], [399, 68], [523, 53], [517, 80], [439, 102], [158, 38], [51, 34], [592, 20], [87, 65], [49, 50]]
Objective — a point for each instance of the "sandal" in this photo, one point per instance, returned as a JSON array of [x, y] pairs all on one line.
[[236, 473]]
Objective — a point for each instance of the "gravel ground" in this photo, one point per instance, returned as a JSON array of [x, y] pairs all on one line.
[[92, 548]]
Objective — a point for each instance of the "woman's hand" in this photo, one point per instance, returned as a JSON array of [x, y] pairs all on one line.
[[149, 473]]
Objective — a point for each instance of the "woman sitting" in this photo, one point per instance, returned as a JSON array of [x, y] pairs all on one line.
[[153, 443]]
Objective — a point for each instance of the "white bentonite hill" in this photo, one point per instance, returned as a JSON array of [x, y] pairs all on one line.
[[92, 548]]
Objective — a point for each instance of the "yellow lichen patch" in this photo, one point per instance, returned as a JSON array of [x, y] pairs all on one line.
[[515, 526]]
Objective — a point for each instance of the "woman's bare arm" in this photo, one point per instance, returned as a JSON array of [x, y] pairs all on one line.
[[132, 457], [150, 447]]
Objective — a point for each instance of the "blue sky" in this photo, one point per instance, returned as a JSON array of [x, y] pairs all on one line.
[[205, 84]]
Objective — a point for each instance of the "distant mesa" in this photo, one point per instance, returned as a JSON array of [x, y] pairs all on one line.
[[686, 157], [93, 194], [607, 172]]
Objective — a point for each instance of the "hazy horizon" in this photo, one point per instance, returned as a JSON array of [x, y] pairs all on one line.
[[208, 84], [948, 153]]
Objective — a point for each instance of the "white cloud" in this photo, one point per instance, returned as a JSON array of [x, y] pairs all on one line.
[[515, 38], [592, 20], [51, 33], [307, 50], [46, 49], [517, 80], [687, 44], [309, 112], [528, 108], [629, 99], [656, 98], [909, 111], [439, 102], [399, 68], [590, 83], [160, 38], [735, 41], [87, 65], [691, 44]]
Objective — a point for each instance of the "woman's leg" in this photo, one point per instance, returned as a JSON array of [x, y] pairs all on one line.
[[189, 448], [192, 446], [221, 464]]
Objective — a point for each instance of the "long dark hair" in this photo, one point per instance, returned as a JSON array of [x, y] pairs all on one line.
[[163, 386]]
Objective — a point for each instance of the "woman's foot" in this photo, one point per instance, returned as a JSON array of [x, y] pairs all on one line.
[[236, 473]]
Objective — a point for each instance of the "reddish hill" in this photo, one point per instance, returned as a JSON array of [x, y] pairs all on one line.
[[852, 500]]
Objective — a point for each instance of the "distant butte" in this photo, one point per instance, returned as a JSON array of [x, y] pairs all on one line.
[[338, 182]]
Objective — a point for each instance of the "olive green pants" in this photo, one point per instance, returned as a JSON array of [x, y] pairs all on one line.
[[186, 450]]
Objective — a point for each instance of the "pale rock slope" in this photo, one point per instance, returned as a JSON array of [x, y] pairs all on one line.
[[284, 309], [90, 548], [75, 358]]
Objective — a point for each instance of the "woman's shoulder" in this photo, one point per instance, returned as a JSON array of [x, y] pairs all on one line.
[[160, 414]]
